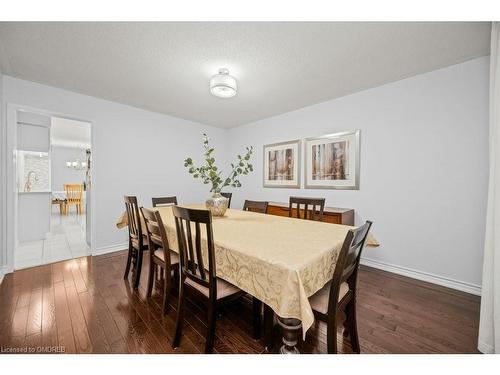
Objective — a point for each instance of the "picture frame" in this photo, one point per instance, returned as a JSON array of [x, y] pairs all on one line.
[[281, 165], [332, 161]]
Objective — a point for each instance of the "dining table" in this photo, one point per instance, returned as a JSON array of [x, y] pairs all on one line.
[[281, 261]]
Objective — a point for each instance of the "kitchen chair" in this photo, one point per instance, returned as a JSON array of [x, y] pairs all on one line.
[[74, 197], [255, 206], [137, 241], [159, 254], [199, 277], [340, 293], [296, 203], [164, 201]]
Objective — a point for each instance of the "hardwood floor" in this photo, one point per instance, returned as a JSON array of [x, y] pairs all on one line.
[[85, 306]]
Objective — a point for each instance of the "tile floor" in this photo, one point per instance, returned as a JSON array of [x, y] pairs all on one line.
[[65, 241]]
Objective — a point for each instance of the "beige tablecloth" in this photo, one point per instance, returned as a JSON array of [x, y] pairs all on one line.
[[281, 261]]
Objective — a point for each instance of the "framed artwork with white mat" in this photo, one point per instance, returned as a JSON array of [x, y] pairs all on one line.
[[332, 161], [282, 164]]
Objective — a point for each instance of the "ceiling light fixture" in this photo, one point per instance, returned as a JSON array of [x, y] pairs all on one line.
[[223, 85]]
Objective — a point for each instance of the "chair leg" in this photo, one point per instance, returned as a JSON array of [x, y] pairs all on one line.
[[345, 324], [167, 286], [151, 276], [353, 325], [139, 268], [212, 319], [180, 316], [257, 318], [129, 260], [331, 335], [176, 275]]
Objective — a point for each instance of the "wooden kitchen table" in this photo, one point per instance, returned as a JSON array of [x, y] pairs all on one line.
[[279, 260]]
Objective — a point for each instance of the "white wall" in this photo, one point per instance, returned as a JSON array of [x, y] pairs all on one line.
[[135, 152], [424, 168], [60, 173]]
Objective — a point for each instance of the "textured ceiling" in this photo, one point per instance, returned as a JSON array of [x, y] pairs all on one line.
[[165, 67]]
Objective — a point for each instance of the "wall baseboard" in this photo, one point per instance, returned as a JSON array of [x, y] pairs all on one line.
[[424, 276], [110, 249]]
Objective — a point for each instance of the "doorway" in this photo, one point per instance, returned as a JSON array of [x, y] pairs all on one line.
[[52, 166]]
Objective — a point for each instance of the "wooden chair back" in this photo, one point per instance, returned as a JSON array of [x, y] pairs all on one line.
[[74, 193], [134, 220], [346, 269], [164, 201], [255, 206], [190, 248], [157, 235], [296, 204], [228, 196]]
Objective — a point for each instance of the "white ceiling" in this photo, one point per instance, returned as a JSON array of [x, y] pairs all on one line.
[[69, 133], [165, 67]]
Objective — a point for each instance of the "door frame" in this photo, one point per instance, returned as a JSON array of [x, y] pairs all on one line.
[[11, 196]]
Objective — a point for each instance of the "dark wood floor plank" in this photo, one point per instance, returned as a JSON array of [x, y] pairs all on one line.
[[80, 284], [86, 306], [49, 328], [65, 336], [67, 274], [80, 332], [24, 282], [57, 272], [19, 322], [34, 322], [95, 329], [108, 324]]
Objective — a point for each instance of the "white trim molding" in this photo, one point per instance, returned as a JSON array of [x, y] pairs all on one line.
[[10, 196], [110, 249], [423, 276]]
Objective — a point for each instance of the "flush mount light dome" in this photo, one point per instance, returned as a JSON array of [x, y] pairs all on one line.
[[223, 85]]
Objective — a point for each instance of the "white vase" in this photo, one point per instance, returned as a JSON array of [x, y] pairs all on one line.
[[217, 204]]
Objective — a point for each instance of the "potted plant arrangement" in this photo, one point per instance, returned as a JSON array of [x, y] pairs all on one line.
[[211, 174]]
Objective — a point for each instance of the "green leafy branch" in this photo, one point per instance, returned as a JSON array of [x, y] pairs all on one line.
[[210, 173]]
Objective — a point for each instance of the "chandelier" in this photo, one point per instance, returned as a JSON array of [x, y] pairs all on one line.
[[76, 164]]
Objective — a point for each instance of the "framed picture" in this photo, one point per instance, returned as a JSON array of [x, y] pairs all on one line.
[[282, 164], [332, 161]]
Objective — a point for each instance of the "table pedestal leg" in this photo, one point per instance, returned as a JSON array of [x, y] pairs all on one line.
[[291, 328]]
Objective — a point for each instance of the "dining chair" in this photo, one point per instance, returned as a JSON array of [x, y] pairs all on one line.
[[340, 293], [137, 240], [159, 254], [228, 196], [296, 203], [255, 206], [74, 197], [198, 276], [164, 201]]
